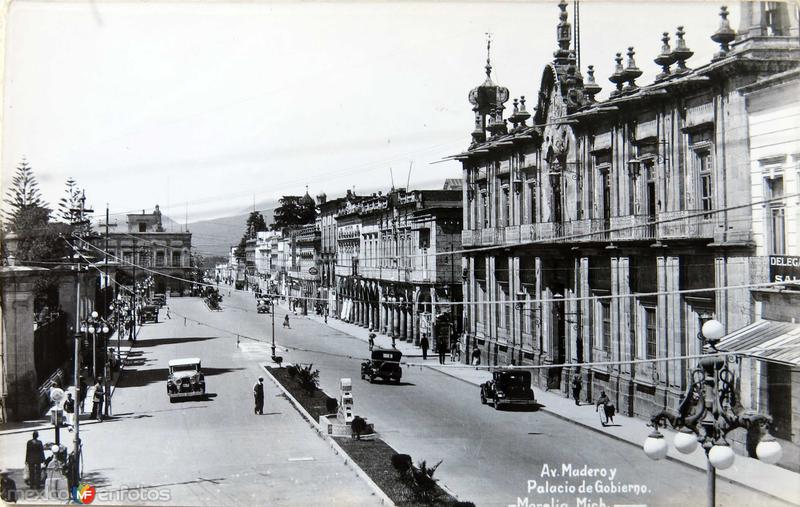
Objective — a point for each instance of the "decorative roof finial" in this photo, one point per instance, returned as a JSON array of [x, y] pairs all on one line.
[[665, 59], [618, 77], [488, 55], [724, 34], [523, 114], [681, 52], [591, 87], [563, 33], [631, 72]]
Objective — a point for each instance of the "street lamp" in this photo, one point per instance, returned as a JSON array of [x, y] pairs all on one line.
[[708, 412]]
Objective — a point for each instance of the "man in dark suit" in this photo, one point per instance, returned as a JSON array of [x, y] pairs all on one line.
[[258, 394], [34, 457]]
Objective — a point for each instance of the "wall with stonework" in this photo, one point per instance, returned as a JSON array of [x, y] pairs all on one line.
[[19, 386]]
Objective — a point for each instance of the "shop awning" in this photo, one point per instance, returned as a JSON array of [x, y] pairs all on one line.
[[766, 339]]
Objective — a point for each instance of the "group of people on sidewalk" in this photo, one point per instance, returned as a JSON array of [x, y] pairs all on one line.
[[56, 474]]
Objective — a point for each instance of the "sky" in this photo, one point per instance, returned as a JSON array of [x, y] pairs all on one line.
[[206, 108]]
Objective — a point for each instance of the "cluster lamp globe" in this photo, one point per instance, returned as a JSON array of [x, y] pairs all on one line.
[[769, 450], [721, 456], [655, 447], [686, 441]]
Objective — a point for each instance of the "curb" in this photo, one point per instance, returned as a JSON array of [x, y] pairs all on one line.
[[385, 500], [88, 422], [621, 439]]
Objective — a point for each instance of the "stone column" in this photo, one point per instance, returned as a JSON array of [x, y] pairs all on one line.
[[402, 323], [19, 367], [395, 318]]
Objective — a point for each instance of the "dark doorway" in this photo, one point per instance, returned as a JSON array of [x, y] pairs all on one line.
[[779, 399]]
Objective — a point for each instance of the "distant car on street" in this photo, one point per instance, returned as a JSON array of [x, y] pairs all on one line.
[[149, 313], [263, 306], [384, 364], [159, 299], [185, 379], [508, 387]]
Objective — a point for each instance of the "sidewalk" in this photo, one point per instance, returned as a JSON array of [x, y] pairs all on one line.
[[44, 423], [752, 473], [381, 341]]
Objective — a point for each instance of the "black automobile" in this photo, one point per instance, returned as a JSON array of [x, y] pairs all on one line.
[[149, 313], [383, 364], [263, 306], [508, 387]]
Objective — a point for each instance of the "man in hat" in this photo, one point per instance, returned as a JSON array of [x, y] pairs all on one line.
[[8, 488], [258, 394], [34, 457]]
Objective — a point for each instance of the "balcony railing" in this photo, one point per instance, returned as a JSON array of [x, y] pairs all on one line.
[[686, 224]]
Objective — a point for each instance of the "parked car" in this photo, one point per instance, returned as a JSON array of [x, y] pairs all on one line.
[[185, 379], [149, 313], [384, 364], [159, 299], [508, 387], [263, 306]]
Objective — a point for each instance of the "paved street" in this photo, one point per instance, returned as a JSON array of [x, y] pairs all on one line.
[[211, 452], [216, 452], [489, 456]]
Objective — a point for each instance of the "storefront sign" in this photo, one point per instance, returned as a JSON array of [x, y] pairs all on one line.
[[784, 268]]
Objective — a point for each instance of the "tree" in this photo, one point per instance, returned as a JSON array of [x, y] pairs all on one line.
[[69, 202], [293, 211], [255, 224], [23, 195]]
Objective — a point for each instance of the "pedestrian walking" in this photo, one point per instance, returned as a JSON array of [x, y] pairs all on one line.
[[604, 404], [168, 315], [476, 356], [286, 321], [371, 341], [82, 394], [69, 410], [8, 488], [577, 385], [34, 457], [258, 394], [424, 344], [455, 350], [97, 402], [441, 349]]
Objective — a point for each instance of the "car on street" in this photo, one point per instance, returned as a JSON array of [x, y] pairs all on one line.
[[185, 379], [263, 306], [383, 364], [508, 387], [159, 299], [149, 313]]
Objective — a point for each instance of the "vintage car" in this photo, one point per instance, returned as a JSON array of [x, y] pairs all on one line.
[[159, 299], [384, 364], [149, 313], [508, 387], [185, 379], [263, 306]]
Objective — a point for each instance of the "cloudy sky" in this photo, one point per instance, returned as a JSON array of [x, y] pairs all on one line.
[[208, 107]]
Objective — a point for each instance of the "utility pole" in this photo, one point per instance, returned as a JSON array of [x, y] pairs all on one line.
[[133, 309]]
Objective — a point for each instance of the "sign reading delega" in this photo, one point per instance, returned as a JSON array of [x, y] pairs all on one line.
[[784, 268]]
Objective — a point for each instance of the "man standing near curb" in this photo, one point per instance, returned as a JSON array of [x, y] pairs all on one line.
[[34, 457], [258, 394]]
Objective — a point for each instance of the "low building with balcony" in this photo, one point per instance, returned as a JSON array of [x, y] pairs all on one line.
[[608, 231]]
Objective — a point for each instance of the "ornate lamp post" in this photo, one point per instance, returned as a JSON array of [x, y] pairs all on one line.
[[708, 412]]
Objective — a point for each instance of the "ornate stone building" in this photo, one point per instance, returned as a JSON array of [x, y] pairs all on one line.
[[595, 229], [146, 243]]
